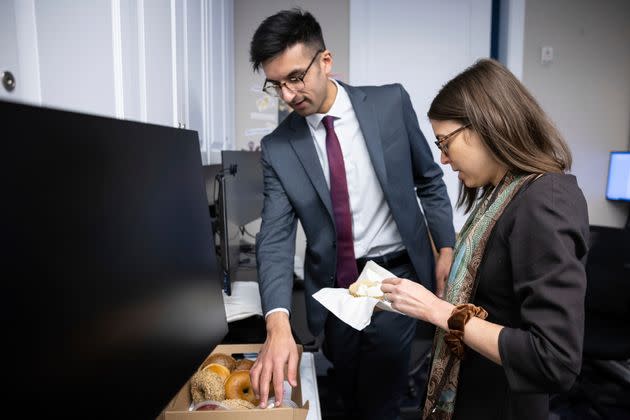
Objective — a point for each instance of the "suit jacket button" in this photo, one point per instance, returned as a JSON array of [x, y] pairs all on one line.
[[332, 278]]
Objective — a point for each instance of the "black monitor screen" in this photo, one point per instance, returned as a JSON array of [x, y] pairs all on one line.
[[618, 185], [111, 288], [240, 203], [210, 175]]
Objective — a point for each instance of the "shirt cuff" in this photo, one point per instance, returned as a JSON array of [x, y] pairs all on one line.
[[286, 311]]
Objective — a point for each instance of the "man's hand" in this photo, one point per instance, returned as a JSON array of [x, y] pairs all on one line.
[[442, 270], [278, 350]]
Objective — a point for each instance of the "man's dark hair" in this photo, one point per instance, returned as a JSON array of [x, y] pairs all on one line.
[[283, 30]]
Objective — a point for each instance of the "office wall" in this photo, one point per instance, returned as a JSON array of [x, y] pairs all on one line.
[[404, 41], [586, 86], [510, 35], [256, 114]]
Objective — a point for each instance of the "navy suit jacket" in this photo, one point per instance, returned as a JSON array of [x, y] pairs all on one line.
[[295, 188]]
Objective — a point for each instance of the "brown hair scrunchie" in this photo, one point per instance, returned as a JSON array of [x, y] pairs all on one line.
[[460, 315]]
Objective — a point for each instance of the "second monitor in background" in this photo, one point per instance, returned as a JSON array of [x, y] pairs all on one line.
[[239, 202], [618, 184]]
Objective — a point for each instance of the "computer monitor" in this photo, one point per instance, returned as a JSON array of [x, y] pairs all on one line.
[[240, 201], [618, 185], [111, 288], [210, 173]]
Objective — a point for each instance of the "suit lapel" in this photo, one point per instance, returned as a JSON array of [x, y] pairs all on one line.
[[302, 143], [368, 122]]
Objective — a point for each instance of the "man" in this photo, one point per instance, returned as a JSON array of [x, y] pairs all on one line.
[[348, 163]]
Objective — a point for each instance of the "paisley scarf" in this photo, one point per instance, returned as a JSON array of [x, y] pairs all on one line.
[[460, 288]]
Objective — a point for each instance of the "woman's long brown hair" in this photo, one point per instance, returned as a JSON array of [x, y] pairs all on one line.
[[506, 117]]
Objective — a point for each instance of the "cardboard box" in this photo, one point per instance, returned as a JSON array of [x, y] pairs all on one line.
[[178, 407]]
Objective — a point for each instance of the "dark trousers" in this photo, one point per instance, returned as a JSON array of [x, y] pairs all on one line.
[[372, 365]]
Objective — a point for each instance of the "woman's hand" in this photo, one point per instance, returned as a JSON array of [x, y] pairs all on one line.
[[415, 300]]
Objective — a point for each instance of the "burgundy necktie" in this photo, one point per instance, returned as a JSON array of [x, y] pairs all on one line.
[[347, 271]]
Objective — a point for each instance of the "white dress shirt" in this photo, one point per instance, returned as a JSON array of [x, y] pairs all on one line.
[[373, 227]]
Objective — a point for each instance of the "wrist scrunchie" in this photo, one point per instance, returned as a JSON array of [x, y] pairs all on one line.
[[460, 315]]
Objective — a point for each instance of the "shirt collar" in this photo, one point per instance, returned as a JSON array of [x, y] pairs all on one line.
[[339, 107]]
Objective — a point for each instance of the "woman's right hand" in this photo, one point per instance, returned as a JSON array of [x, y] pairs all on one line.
[[415, 300]]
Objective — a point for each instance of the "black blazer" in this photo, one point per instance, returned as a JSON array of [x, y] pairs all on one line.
[[531, 280]]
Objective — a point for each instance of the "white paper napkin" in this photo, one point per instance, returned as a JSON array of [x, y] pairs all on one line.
[[244, 301], [355, 311]]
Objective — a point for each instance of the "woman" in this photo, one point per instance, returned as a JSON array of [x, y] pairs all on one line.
[[511, 324]]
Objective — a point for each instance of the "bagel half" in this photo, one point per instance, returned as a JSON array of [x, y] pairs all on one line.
[[366, 288]]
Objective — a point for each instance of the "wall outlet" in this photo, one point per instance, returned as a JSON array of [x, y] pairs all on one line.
[[546, 55]]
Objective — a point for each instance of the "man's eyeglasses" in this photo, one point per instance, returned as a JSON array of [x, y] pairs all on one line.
[[293, 83], [442, 143]]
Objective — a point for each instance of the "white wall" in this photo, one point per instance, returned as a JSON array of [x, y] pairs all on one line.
[[421, 44], [586, 88], [511, 34]]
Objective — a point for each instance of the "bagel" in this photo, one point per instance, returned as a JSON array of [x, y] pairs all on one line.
[[221, 359], [237, 404], [206, 385], [239, 387], [244, 364], [220, 370], [366, 288]]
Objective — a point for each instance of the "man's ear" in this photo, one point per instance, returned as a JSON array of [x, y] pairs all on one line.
[[327, 60]]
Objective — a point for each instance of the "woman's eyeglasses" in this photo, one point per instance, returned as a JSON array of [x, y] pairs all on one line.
[[442, 142]]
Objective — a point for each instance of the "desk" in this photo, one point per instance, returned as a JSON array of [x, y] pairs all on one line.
[[243, 302], [308, 382]]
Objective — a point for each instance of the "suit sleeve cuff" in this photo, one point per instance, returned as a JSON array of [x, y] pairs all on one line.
[[286, 311]]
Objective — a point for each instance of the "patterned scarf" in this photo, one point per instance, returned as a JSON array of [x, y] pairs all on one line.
[[460, 288]]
